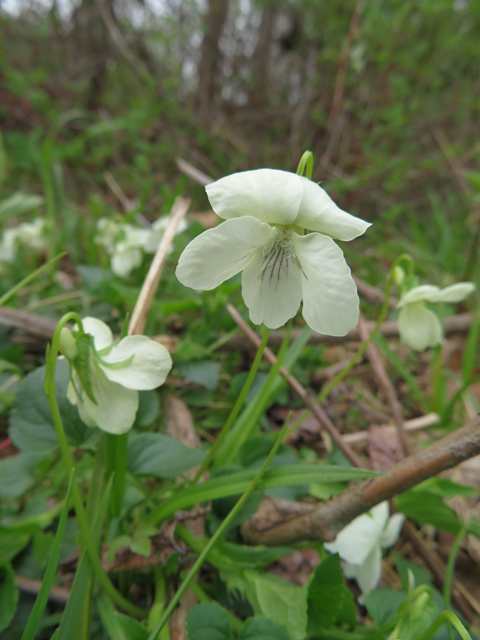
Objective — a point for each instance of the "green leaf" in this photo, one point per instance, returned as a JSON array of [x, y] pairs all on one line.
[[263, 629], [428, 509], [382, 605], [31, 424], [208, 622], [16, 474], [421, 575], [141, 545], [11, 543], [444, 488], [280, 601], [330, 602], [8, 595], [148, 409], [49, 577], [132, 628], [19, 203], [238, 483], [204, 373], [161, 456]]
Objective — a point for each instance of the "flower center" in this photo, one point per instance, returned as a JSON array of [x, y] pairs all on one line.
[[278, 253]]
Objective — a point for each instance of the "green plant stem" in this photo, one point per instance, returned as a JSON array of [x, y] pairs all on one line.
[[87, 540], [29, 278], [445, 616], [306, 164], [236, 408], [225, 524], [326, 391], [117, 465], [452, 558]]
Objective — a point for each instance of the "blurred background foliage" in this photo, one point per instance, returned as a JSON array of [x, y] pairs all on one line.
[[386, 93]]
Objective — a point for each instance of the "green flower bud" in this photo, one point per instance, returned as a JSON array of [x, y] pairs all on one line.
[[398, 275], [68, 344]]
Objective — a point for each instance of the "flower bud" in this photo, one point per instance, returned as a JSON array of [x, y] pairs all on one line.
[[68, 344], [398, 275]]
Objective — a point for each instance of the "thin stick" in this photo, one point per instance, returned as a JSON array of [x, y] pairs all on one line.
[[144, 301], [325, 520], [300, 390], [423, 422], [387, 386]]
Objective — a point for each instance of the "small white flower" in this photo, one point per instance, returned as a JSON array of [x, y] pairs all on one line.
[[266, 212], [360, 545], [116, 371], [419, 327], [157, 232], [27, 235]]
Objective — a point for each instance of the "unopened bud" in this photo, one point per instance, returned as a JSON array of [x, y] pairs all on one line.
[[68, 344], [398, 275]]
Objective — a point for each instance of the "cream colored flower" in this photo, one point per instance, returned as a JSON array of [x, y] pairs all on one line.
[[108, 376], [418, 326], [266, 213]]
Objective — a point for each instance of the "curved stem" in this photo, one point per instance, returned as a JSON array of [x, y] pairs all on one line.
[[236, 408], [306, 164], [446, 616], [326, 391], [87, 540], [240, 503]]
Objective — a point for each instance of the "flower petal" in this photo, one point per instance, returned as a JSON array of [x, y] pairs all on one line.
[[453, 293], [149, 368], [218, 254], [125, 260], [355, 542], [423, 292], [419, 327], [102, 335], [392, 532], [330, 300], [318, 212], [269, 195], [369, 573], [271, 287], [116, 406], [380, 513]]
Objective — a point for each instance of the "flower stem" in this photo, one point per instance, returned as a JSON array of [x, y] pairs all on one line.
[[117, 465], [358, 354], [29, 278], [236, 408], [452, 558], [306, 164], [87, 540], [225, 524], [445, 616]]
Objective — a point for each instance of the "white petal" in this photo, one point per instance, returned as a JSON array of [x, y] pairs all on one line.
[[419, 327], [271, 287], [355, 542], [125, 260], [318, 212], [218, 254], [269, 195], [392, 532], [423, 292], [380, 513], [102, 335], [116, 406], [330, 300], [369, 573], [149, 368], [453, 293]]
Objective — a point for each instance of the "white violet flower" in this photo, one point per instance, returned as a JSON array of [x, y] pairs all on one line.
[[108, 375], [125, 242], [360, 545], [266, 212], [418, 326], [27, 235]]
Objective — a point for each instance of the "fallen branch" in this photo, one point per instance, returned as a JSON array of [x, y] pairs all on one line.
[[324, 521]]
